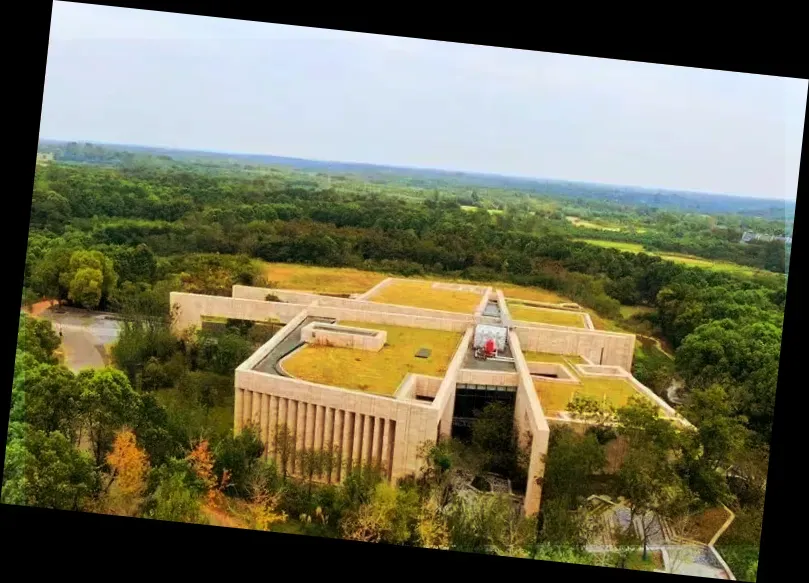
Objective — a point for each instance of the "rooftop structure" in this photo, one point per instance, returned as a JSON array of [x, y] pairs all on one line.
[[376, 375]]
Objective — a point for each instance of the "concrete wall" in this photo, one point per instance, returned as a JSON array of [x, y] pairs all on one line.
[[445, 397], [488, 377], [484, 301], [324, 334], [191, 308], [532, 426], [297, 297], [364, 428], [417, 385], [552, 368], [382, 284], [618, 349]]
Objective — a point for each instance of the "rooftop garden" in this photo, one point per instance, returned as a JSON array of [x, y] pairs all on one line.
[[375, 372], [422, 294], [555, 396], [338, 280], [545, 315], [551, 357]]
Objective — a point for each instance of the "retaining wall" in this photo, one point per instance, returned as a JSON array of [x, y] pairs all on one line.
[[297, 297], [533, 428], [618, 349], [488, 377], [323, 334], [192, 307]]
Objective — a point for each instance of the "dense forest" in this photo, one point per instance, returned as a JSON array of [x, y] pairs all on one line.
[[119, 230]]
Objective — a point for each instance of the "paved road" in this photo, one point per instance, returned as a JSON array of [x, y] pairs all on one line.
[[84, 336]]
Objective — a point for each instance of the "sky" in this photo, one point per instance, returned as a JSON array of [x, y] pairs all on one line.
[[129, 76]]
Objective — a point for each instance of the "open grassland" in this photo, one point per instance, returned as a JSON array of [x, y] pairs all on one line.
[[337, 280], [555, 396], [376, 372], [551, 357], [629, 311], [421, 294], [620, 245], [690, 260], [471, 209], [545, 315], [579, 222]]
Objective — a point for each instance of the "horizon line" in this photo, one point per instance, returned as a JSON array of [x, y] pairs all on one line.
[[428, 168]]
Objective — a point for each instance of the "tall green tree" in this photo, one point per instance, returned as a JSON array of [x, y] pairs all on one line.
[[45, 469], [107, 402]]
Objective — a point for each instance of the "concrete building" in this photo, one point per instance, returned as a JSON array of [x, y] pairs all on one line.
[[373, 381]]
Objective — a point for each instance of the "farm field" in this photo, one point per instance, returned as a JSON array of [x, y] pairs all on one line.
[[545, 315], [338, 280], [421, 294], [375, 372]]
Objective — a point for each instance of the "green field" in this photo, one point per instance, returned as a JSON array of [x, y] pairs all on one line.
[[546, 316], [422, 294], [676, 257], [578, 222], [471, 209], [629, 311]]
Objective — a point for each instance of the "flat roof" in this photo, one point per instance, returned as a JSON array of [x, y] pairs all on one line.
[[554, 396], [552, 357], [422, 294], [375, 372], [540, 315]]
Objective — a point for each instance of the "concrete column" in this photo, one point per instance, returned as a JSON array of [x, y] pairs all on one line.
[[384, 452], [390, 436], [377, 443], [283, 405], [238, 404], [327, 442], [310, 427], [317, 445], [255, 418], [247, 407], [348, 441], [536, 470], [337, 445], [368, 440], [264, 420], [356, 453], [292, 422], [446, 418], [300, 434], [272, 429]]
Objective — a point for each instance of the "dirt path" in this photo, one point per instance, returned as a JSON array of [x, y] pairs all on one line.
[[219, 517], [658, 344]]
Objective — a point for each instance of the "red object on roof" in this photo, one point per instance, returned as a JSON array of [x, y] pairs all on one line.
[[490, 346]]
